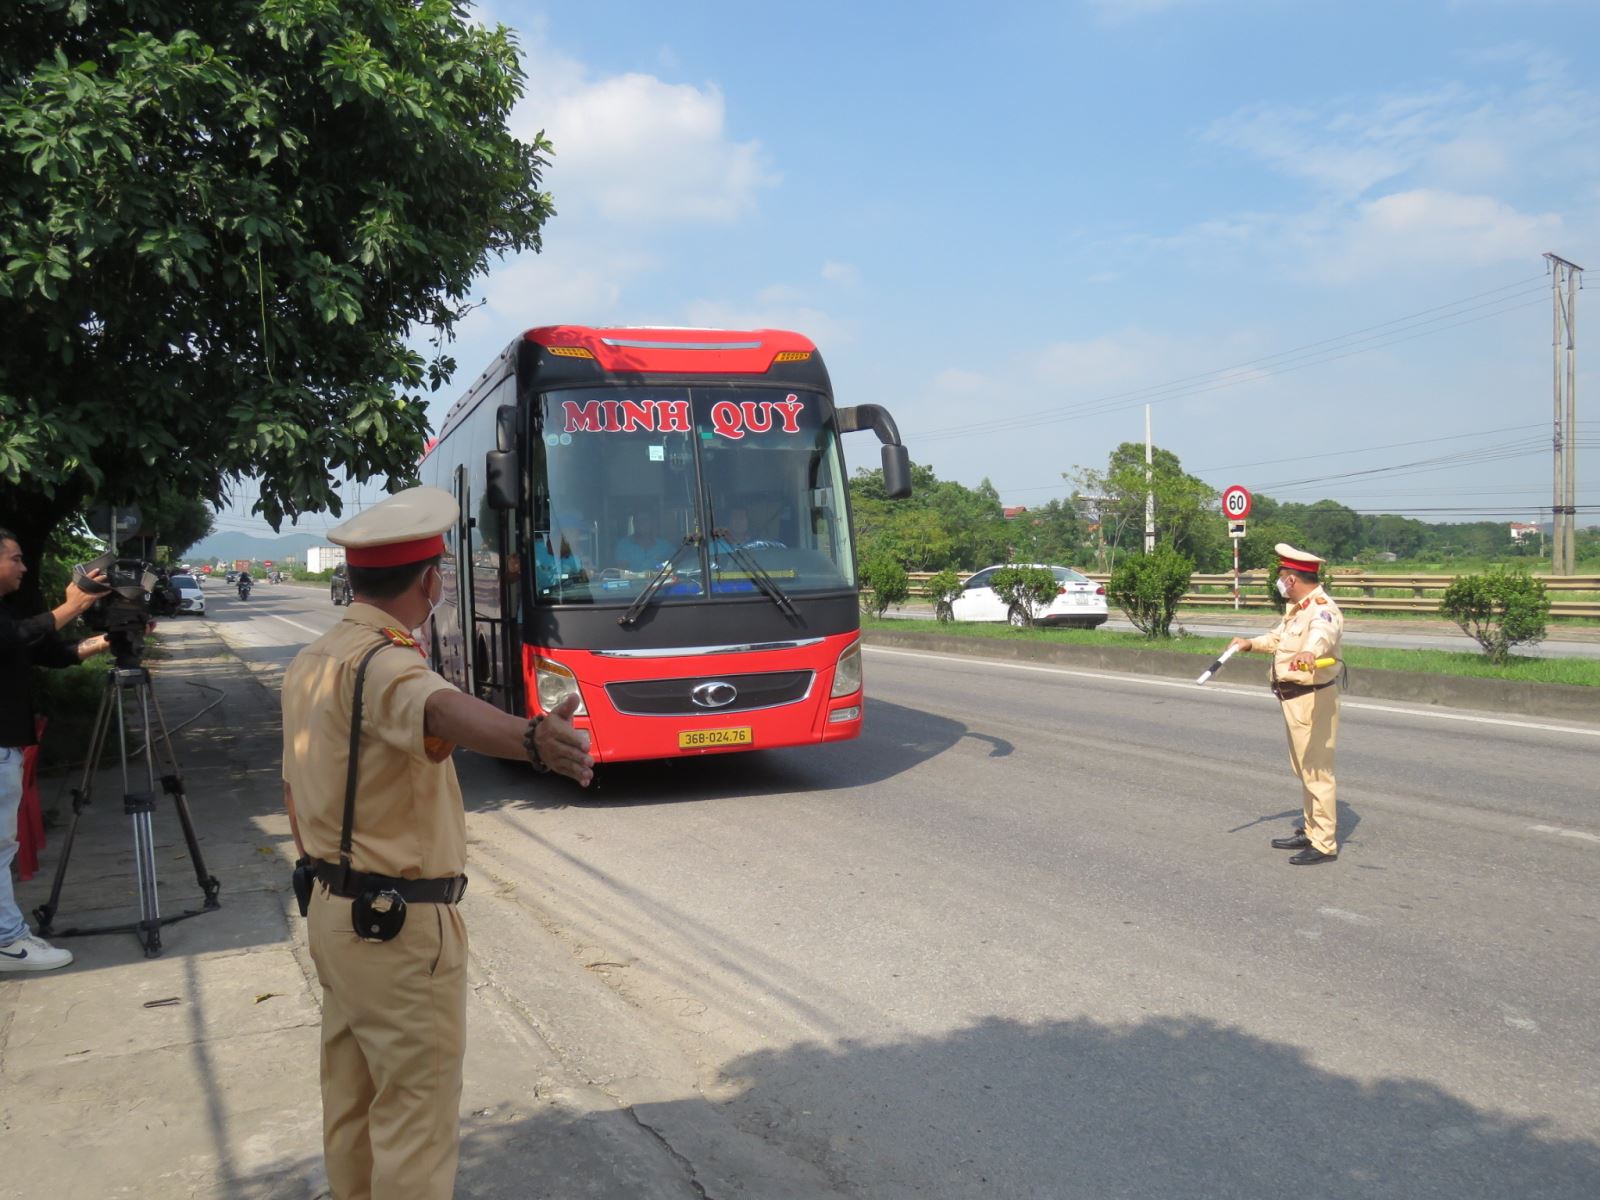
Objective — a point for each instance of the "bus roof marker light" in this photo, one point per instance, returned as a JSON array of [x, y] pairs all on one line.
[[786, 356], [643, 344], [569, 352]]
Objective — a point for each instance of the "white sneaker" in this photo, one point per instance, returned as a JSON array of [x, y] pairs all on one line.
[[32, 953]]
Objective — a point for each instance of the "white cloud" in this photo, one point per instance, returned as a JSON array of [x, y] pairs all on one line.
[[1426, 227], [635, 149], [773, 308], [566, 283], [841, 273]]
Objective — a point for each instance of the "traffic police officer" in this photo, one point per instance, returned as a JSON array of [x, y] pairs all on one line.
[[386, 936], [1311, 629]]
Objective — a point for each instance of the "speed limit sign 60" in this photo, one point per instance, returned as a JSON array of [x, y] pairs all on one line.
[[1236, 503]]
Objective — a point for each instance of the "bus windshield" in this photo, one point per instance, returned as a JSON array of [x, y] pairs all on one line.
[[711, 479]]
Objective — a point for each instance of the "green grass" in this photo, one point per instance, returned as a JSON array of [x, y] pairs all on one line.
[[1581, 671]]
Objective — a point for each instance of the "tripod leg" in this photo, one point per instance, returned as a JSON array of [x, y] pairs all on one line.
[[173, 783], [45, 913], [139, 806]]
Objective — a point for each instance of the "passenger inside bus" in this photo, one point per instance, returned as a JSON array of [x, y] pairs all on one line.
[[559, 556], [644, 549]]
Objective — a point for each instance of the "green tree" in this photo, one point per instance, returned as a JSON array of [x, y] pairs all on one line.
[[219, 226], [883, 583], [1186, 515], [1051, 533], [1025, 591], [1334, 528], [1498, 610], [1149, 587], [942, 588]]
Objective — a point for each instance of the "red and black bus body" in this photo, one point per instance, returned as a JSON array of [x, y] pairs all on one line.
[[659, 520]]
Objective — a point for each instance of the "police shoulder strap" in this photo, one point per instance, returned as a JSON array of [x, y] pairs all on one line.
[[352, 768]]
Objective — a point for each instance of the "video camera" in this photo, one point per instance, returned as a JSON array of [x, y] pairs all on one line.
[[123, 609]]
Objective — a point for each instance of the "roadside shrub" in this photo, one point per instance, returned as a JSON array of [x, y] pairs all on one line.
[[70, 698], [1149, 588], [943, 588], [883, 582], [1025, 590], [1498, 610]]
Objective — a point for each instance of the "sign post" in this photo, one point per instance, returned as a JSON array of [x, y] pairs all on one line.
[[1236, 507]]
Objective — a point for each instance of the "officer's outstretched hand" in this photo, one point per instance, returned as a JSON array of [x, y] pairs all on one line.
[[563, 748]]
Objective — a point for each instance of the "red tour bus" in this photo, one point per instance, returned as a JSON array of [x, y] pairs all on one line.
[[658, 520]]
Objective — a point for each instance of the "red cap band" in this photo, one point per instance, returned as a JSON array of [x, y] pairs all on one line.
[[395, 554], [1294, 564]]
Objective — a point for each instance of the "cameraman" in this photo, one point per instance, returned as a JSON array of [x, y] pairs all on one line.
[[25, 644]]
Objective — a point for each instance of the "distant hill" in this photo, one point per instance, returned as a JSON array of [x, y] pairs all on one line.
[[229, 546]]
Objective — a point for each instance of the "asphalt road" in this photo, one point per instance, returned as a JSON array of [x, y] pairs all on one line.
[[1025, 938]]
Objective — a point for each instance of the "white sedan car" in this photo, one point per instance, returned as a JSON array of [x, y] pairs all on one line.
[[190, 598], [1078, 601]]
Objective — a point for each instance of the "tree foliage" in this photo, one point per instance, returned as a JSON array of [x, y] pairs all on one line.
[[219, 226], [883, 583], [1025, 590], [1148, 587], [942, 524], [1498, 610], [942, 589], [1186, 515]]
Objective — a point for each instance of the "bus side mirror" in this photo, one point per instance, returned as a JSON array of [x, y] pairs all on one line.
[[500, 479], [896, 472], [505, 427]]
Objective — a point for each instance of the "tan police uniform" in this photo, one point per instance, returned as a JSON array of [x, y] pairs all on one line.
[[1310, 699], [393, 1012]]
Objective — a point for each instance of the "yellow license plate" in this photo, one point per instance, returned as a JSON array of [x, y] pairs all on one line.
[[701, 739]]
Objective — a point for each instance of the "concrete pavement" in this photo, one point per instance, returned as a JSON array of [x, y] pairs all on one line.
[[194, 1074]]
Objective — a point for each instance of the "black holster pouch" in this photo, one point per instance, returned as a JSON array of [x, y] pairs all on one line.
[[378, 914], [305, 875]]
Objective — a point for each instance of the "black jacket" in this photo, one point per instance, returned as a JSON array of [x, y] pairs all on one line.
[[25, 644]]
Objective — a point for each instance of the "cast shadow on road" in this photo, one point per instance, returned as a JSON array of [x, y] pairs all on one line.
[[895, 739], [1060, 1110], [1349, 818]]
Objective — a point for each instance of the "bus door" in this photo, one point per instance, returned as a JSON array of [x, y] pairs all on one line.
[[464, 604]]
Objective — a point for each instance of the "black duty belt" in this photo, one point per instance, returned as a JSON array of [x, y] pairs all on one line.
[[1284, 690], [351, 884]]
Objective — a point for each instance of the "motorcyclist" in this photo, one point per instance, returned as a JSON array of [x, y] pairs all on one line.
[[244, 585]]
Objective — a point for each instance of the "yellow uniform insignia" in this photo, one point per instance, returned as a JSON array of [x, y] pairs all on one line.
[[400, 638]]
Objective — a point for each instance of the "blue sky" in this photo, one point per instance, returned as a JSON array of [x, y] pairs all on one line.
[[1015, 223]]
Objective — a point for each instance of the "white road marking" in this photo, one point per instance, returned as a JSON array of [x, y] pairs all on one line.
[[297, 625], [1567, 833], [1347, 916], [1224, 690]]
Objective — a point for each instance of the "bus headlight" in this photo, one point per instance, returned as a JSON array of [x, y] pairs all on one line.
[[554, 684], [847, 675]]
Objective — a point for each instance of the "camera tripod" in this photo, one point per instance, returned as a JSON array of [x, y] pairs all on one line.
[[125, 684]]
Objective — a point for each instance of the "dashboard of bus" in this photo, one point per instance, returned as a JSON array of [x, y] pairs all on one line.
[[686, 494]]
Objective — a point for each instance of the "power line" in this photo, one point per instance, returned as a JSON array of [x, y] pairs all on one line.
[[1181, 388]]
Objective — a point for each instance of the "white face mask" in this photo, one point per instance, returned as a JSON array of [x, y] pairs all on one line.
[[433, 605], [1283, 587]]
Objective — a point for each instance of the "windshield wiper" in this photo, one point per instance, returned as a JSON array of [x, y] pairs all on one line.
[[642, 601], [757, 572]]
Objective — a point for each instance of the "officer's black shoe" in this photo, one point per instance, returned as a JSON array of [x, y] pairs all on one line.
[[1295, 841], [1309, 857]]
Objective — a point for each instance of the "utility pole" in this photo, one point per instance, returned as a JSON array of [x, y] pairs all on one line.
[[1149, 491], [1564, 359]]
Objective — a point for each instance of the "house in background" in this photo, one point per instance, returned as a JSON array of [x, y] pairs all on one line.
[[1519, 531]]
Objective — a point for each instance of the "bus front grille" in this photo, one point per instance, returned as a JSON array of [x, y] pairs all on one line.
[[706, 695]]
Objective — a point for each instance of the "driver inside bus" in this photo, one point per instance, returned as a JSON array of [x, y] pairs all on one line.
[[558, 555], [644, 549]]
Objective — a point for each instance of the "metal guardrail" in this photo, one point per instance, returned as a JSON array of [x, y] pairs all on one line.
[[1340, 584]]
